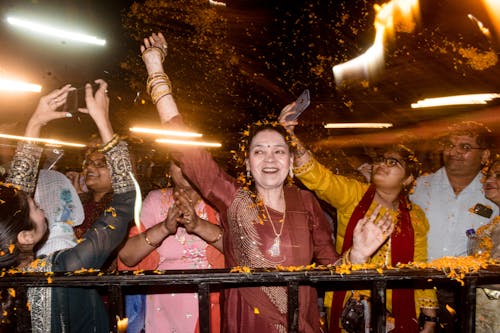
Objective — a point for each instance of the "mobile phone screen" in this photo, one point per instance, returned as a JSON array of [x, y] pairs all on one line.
[[300, 105], [76, 99]]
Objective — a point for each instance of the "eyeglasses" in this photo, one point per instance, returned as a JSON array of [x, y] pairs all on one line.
[[98, 163], [388, 161], [461, 147]]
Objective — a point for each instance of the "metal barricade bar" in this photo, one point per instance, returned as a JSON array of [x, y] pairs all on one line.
[[206, 281]]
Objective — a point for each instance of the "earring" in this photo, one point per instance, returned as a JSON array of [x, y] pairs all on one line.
[[248, 174], [290, 172]]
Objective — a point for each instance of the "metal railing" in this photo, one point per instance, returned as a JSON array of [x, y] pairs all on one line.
[[205, 281]]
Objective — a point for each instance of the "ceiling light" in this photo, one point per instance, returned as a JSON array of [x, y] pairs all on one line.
[[12, 85], [165, 132], [455, 100], [50, 142], [358, 125], [189, 143], [47, 30]]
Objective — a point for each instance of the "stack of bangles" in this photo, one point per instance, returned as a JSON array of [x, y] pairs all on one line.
[[158, 86], [110, 144]]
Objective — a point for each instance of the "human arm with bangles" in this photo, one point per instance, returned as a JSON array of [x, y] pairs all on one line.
[[153, 51]]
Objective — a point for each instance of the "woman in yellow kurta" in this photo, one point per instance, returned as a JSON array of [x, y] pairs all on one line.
[[392, 176]]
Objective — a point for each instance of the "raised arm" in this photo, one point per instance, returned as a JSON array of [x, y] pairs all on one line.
[[301, 154], [24, 167], [111, 228], [154, 51]]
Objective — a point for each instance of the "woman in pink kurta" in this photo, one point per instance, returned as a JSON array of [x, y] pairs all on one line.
[[172, 312]]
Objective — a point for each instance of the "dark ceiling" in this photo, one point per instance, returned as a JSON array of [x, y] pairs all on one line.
[[236, 64]]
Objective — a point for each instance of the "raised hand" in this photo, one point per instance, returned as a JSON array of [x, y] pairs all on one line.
[[46, 110], [98, 108], [154, 51], [368, 236], [289, 125]]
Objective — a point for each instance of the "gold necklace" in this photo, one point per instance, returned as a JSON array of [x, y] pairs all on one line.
[[274, 250]]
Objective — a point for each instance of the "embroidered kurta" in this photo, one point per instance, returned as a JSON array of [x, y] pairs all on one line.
[[306, 238], [77, 309], [344, 194]]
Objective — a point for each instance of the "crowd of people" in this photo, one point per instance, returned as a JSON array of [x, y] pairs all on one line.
[[259, 218]]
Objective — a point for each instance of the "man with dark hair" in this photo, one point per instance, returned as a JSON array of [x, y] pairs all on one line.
[[452, 197]]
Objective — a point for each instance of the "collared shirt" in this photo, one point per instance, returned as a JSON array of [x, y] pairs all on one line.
[[450, 215]]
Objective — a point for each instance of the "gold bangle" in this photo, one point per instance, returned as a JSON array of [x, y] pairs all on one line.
[[219, 236], [110, 144], [159, 92], [154, 83], [157, 75], [154, 48], [304, 167], [149, 242]]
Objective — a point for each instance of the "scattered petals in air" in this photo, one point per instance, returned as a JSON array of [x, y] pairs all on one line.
[[450, 310], [256, 311]]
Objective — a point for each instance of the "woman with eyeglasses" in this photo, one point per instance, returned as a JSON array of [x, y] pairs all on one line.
[[99, 192], [393, 173]]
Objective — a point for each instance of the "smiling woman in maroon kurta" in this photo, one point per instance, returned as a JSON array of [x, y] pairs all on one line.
[[266, 223]]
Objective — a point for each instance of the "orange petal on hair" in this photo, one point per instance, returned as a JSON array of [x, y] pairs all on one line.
[[12, 292], [11, 248]]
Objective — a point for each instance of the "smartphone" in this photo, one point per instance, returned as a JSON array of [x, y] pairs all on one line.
[[76, 99], [300, 105], [483, 210]]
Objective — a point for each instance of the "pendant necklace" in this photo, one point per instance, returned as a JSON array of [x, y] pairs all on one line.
[[274, 250]]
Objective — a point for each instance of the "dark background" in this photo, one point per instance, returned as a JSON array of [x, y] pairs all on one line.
[[236, 64]]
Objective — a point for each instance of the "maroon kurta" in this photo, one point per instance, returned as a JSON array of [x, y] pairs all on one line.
[[306, 238]]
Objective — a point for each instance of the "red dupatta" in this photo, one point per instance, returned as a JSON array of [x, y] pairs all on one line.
[[403, 246]]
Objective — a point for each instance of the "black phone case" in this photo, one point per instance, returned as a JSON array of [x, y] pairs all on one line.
[[482, 210]]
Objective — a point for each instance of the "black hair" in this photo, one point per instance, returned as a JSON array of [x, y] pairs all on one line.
[[484, 136], [246, 139], [14, 218]]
